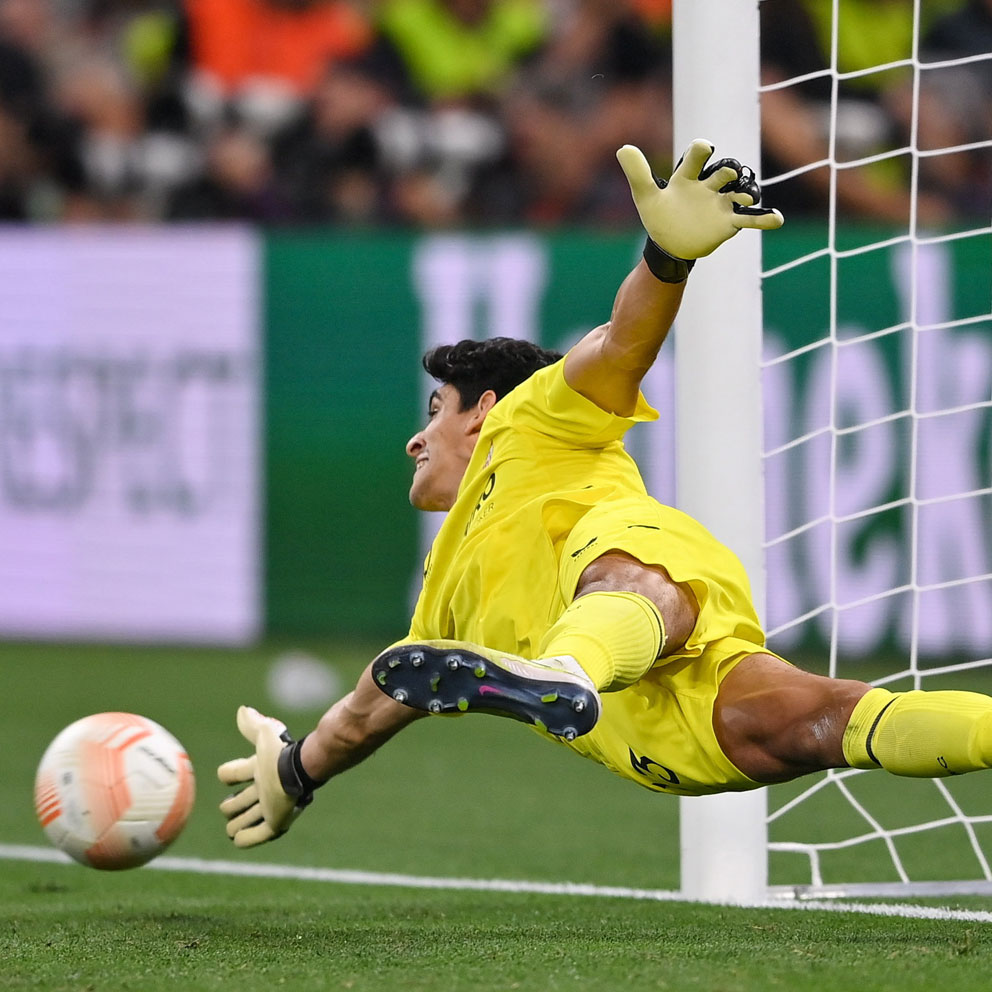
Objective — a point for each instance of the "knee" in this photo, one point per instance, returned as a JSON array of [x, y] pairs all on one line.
[[617, 571]]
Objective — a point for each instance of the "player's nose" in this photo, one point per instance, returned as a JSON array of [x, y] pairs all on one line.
[[415, 445]]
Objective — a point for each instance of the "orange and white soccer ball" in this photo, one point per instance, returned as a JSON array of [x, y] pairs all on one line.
[[113, 790]]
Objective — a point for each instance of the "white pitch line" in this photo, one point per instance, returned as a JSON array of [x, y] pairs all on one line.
[[201, 866]]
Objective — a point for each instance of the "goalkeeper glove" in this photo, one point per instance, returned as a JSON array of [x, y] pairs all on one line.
[[699, 208], [277, 789]]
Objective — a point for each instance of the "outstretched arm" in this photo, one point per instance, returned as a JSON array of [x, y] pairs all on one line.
[[686, 218], [279, 778]]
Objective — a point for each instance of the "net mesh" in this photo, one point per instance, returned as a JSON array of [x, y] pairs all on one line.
[[879, 418]]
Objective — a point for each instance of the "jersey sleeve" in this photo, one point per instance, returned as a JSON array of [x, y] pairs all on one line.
[[546, 404]]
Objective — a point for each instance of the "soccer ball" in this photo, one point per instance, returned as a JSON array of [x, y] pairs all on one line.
[[113, 790]]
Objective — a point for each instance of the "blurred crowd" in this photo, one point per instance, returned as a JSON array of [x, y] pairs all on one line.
[[437, 113]]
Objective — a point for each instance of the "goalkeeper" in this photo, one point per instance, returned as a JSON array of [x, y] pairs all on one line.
[[558, 593]]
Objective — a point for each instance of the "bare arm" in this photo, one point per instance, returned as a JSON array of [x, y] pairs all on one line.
[[352, 729], [608, 364]]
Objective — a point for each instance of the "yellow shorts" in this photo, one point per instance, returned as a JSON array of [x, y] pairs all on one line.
[[658, 732]]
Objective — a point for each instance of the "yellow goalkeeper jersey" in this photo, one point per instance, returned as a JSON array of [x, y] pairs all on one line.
[[548, 489]]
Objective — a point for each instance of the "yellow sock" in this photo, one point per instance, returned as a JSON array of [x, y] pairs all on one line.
[[923, 734], [615, 636]]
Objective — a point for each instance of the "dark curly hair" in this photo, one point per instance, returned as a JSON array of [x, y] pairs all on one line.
[[498, 364]]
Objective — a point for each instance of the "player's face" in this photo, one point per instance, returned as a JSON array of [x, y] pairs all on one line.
[[441, 450]]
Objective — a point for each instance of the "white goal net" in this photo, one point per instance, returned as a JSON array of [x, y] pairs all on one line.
[[879, 488], [876, 130]]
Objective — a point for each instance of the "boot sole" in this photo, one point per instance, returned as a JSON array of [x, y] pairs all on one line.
[[450, 680]]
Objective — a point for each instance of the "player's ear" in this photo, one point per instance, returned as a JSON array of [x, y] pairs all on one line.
[[479, 412]]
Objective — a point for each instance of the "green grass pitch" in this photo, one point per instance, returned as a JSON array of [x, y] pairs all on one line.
[[460, 797]]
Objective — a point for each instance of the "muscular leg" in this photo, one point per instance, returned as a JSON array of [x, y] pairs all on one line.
[[776, 722]]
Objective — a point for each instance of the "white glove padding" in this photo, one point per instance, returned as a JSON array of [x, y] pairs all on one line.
[[263, 810], [699, 208]]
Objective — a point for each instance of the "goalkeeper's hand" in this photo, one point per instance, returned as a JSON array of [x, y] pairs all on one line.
[[273, 796], [701, 206]]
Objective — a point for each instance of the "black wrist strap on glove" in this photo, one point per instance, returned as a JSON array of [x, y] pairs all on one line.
[[292, 777], [666, 267]]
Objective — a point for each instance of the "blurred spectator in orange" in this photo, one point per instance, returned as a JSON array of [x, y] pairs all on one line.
[[266, 56]]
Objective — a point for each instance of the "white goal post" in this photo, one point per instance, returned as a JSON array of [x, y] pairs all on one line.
[[718, 403]]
